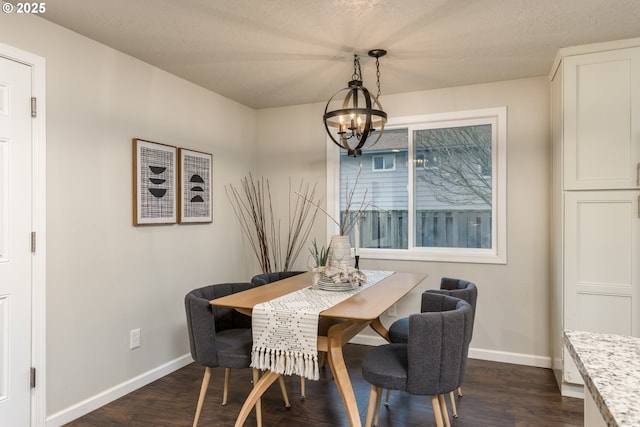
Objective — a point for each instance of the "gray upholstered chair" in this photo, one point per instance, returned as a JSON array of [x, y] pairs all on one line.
[[264, 278], [463, 289], [220, 337], [432, 361]]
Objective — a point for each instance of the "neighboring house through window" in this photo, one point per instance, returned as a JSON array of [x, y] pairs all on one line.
[[442, 195], [383, 162]]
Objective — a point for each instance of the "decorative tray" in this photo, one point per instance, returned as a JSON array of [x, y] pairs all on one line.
[[330, 285]]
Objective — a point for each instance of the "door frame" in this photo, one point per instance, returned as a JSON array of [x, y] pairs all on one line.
[[38, 215]]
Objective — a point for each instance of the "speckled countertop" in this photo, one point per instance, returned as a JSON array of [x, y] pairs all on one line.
[[610, 367]]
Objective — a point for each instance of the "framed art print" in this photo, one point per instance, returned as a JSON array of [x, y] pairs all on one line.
[[195, 200], [154, 183]]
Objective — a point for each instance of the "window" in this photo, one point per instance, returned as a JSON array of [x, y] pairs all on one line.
[[443, 197], [383, 162]]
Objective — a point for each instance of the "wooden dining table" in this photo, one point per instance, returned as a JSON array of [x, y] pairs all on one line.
[[357, 312]]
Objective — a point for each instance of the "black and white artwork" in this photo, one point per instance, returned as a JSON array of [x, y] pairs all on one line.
[[195, 203], [154, 176]]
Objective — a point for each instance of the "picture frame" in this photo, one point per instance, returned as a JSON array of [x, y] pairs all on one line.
[[195, 201], [154, 183]]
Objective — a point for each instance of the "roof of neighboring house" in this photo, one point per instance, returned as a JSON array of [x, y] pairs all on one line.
[[391, 140]]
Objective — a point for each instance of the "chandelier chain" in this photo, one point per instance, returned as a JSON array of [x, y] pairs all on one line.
[[378, 77], [357, 72]]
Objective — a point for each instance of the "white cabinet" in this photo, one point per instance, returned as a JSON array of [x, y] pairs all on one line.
[[601, 265], [595, 101], [601, 102]]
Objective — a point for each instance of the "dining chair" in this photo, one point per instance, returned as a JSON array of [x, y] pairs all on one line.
[[432, 361], [220, 337], [264, 278], [463, 289]]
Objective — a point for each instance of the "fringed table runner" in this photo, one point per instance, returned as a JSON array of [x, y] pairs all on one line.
[[285, 329]]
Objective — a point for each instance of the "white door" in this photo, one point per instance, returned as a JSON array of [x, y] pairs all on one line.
[[15, 243]]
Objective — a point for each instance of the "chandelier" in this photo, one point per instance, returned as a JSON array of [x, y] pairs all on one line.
[[353, 114]]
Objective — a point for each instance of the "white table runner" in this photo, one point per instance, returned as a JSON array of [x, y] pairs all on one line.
[[285, 329]]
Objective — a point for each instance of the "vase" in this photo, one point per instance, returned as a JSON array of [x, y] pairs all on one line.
[[340, 252]]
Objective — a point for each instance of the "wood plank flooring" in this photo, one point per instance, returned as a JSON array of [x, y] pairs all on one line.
[[495, 394]]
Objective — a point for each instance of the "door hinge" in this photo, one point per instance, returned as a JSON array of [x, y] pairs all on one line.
[[33, 377], [34, 107], [33, 242]]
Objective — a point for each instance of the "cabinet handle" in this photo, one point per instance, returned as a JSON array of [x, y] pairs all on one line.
[[638, 206], [638, 175]]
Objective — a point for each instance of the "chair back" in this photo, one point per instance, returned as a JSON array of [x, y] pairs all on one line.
[[264, 278], [204, 320], [438, 345], [457, 288]]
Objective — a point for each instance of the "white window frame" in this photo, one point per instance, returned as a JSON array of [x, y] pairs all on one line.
[[497, 254]]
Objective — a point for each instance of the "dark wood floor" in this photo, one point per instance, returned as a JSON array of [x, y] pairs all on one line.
[[495, 394]]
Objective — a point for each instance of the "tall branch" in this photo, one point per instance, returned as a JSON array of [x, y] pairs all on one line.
[[253, 206]]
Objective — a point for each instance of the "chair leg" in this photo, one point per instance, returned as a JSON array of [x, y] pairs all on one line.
[[437, 413], [303, 392], [283, 388], [386, 398], [203, 393], [459, 391], [454, 408], [225, 387], [377, 414], [443, 409], [373, 398], [256, 377], [323, 360]]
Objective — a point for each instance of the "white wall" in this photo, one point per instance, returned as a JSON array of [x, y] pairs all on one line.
[[512, 320], [105, 276]]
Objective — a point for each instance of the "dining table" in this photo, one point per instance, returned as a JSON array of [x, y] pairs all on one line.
[[357, 312]]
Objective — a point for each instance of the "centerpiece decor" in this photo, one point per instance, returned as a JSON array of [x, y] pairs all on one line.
[[340, 252], [341, 266], [317, 260]]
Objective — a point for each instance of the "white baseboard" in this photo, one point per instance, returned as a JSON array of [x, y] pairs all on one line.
[[507, 357], [572, 390], [474, 353], [91, 404]]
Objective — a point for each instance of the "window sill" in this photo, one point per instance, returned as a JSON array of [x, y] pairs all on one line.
[[477, 256]]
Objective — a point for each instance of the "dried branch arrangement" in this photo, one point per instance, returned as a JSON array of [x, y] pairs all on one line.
[[276, 249], [347, 221]]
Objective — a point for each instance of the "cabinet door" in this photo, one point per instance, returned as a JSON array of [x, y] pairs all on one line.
[[601, 121], [601, 264]]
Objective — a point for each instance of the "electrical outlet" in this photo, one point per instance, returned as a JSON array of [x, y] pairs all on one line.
[[134, 339], [392, 311]]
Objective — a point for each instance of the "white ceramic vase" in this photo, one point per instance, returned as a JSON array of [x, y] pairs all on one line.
[[340, 252]]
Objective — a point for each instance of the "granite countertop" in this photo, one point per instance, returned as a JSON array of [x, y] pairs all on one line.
[[610, 367]]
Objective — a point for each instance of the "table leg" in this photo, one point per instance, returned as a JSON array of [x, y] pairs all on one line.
[[258, 390], [337, 337], [377, 326]]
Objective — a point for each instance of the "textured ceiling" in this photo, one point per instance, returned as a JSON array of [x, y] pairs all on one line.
[[267, 53]]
